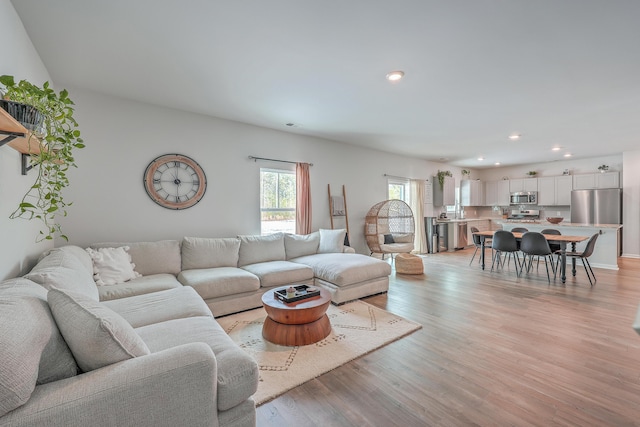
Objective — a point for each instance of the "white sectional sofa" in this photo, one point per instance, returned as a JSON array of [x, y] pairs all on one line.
[[148, 350]]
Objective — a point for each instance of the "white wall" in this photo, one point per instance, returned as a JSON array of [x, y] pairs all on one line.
[[631, 205], [19, 58], [122, 137]]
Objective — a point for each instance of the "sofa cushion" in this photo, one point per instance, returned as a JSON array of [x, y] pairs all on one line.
[[331, 241], [112, 265], [277, 273], [32, 350], [73, 250], [63, 270], [151, 257], [140, 286], [219, 282], [237, 371], [255, 249], [345, 269], [403, 238], [297, 245], [142, 310], [97, 335], [198, 252]]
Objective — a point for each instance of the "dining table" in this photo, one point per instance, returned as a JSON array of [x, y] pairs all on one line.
[[563, 240]]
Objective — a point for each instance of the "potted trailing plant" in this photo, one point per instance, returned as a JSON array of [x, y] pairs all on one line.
[[56, 141], [532, 173], [441, 175], [603, 168], [466, 173]]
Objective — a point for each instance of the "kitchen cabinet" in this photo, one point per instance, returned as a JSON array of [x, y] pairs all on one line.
[[471, 193], [596, 180], [496, 193], [523, 184], [608, 180], [555, 190], [445, 195]]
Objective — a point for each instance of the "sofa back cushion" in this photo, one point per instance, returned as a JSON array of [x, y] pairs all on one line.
[[331, 241], [151, 257], [97, 335], [297, 245], [200, 252], [61, 268], [32, 350], [255, 249]]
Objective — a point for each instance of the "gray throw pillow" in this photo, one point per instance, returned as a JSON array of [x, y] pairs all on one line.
[[96, 335]]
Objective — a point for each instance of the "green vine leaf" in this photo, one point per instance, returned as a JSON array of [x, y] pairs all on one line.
[[54, 158]]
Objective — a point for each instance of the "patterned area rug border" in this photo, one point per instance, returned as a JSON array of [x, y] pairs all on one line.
[[358, 328]]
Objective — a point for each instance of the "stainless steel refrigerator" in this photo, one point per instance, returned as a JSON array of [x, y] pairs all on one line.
[[601, 206]]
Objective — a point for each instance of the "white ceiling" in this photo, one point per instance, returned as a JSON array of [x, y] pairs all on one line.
[[560, 72]]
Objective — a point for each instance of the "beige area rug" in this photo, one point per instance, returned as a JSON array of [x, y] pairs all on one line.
[[357, 329]]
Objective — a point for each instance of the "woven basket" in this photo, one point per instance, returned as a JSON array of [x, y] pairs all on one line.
[[409, 264]]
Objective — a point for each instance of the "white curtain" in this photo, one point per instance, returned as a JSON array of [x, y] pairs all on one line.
[[417, 206]]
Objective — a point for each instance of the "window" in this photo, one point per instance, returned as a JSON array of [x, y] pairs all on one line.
[[398, 189], [277, 201]]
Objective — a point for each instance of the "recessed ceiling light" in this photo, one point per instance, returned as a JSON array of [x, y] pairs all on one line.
[[515, 136], [567, 155], [394, 76], [497, 163], [481, 158], [556, 148]]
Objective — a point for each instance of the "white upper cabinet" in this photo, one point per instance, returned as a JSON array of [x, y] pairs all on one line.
[[445, 195], [523, 184], [596, 180], [555, 190], [496, 193], [503, 193], [608, 180], [471, 193]]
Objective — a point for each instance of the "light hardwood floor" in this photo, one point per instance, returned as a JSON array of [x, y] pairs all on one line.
[[494, 350]]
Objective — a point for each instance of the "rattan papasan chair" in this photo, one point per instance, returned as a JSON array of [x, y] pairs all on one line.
[[390, 228]]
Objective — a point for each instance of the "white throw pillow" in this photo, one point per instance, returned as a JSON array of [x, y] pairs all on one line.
[[112, 265], [96, 335], [331, 241]]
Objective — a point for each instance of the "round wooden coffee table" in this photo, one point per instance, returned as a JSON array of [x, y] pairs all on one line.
[[298, 323]]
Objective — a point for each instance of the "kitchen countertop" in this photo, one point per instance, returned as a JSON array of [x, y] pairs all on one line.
[[562, 224], [464, 219]]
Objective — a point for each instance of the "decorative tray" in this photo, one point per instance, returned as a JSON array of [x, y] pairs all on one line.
[[302, 292]]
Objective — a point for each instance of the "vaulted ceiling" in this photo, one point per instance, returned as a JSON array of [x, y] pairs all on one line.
[[562, 73]]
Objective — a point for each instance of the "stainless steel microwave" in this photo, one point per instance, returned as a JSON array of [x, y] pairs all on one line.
[[524, 198]]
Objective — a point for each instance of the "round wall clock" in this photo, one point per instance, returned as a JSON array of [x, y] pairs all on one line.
[[175, 181]]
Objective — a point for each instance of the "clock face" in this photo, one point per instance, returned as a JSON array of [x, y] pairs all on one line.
[[175, 181]]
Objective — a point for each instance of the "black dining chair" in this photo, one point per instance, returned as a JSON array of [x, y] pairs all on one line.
[[584, 256], [519, 230], [504, 243], [555, 247], [477, 242], [534, 244]]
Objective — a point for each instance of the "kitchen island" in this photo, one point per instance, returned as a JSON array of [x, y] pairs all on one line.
[[607, 250]]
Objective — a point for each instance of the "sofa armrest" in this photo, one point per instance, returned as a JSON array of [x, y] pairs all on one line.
[[172, 387]]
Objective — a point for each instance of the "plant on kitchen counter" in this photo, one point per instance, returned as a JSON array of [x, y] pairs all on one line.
[[441, 175]]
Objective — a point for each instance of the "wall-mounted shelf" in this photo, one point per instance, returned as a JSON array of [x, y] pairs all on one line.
[[18, 138]]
